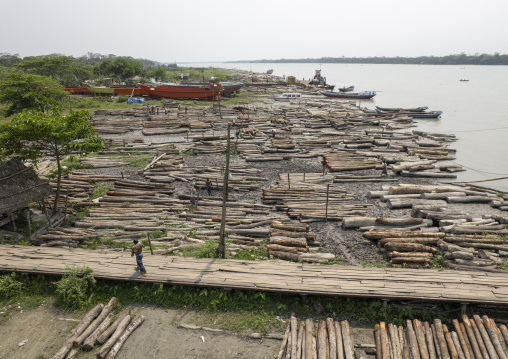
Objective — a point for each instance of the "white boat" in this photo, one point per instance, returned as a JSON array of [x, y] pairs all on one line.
[[288, 96]]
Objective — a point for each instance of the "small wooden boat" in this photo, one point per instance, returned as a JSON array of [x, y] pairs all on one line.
[[366, 95], [415, 109], [288, 96], [115, 90], [269, 72], [184, 92], [346, 89], [430, 114], [228, 86]]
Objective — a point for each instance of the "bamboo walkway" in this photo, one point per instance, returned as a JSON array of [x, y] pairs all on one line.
[[272, 276]]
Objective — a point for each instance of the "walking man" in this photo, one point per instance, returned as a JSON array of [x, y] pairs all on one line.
[[138, 251], [209, 186]]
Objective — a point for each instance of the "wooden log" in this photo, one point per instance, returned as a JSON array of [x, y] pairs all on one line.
[[289, 242], [332, 338], [437, 346], [103, 351], [409, 247], [415, 260], [89, 343], [493, 337], [278, 248], [95, 324], [346, 339], [472, 354], [479, 340], [310, 349], [294, 336], [299, 340], [406, 352], [421, 189], [457, 344], [430, 341], [338, 337], [285, 255], [402, 338], [128, 331], [288, 348], [377, 336], [394, 336], [420, 337], [322, 339], [77, 331], [504, 332], [413, 341], [445, 354], [500, 337], [407, 203], [107, 333], [449, 342], [460, 336], [283, 346], [385, 348]]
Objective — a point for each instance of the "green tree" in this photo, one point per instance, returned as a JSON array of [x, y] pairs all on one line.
[[159, 74], [121, 68], [21, 92], [8, 60], [31, 135]]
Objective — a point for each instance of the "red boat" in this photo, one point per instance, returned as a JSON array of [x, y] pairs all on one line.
[[80, 90], [183, 92]]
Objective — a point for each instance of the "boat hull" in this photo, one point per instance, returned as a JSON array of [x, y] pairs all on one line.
[[416, 109], [77, 89], [348, 95], [183, 92]]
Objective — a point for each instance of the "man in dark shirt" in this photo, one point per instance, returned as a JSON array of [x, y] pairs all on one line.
[[138, 251]]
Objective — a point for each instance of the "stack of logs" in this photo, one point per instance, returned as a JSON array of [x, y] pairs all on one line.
[[324, 340], [479, 338], [95, 328]]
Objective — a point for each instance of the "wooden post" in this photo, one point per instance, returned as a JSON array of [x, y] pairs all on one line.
[[289, 182], [222, 238], [66, 200], [326, 210], [149, 243], [303, 176], [29, 225]]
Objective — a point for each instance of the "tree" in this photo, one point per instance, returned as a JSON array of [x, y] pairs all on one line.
[[120, 67], [159, 74], [21, 92], [31, 135], [8, 60]]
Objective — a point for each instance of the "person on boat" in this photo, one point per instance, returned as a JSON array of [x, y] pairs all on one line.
[[138, 251]]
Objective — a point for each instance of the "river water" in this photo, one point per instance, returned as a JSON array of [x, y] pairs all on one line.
[[475, 111]]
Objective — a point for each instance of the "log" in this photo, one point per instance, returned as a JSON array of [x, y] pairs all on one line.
[[278, 248], [422, 189], [89, 343], [377, 336], [128, 331], [449, 341], [385, 348], [493, 337], [322, 339], [285, 255], [460, 336], [95, 324], [441, 339], [415, 260], [346, 338], [409, 247], [77, 331], [420, 336], [394, 336], [413, 342], [499, 336], [409, 202], [284, 344], [504, 332], [479, 339], [338, 337], [458, 347], [310, 350], [288, 348], [430, 341], [289, 242], [332, 338], [103, 351], [472, 354], [437, 346], [299, 341], [294, 336]]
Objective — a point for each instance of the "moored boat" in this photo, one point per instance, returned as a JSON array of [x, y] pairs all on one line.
[[415, 109], [80, 90], [346, 89], [430, 114], [184, 92], [115, 90], [288, 96], [366, 95], [227, 85]]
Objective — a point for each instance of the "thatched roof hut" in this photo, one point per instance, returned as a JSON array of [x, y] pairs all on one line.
[[19, 186]]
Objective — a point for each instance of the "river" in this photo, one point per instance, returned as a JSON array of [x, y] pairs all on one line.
[[474, 110]]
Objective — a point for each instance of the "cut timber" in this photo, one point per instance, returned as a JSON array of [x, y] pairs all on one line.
[[422, 189], [95, 324], [347, 340], [413, 341], [128, 331], [441, 339], [89, 343], [409, 247], [449, 341], [103, 351], [332, 339], [322, 340], [338, 337], [77, 331], [284, 344], [294, 336], [310, 350], [408, 202]]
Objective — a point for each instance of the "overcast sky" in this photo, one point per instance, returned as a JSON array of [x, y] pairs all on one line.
[[229, 30]]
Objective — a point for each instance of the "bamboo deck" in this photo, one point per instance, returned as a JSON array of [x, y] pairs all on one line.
[[270, 276]]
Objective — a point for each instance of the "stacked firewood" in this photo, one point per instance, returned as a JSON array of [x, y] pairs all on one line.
[[96, 327], [478, 338], [324, 340]]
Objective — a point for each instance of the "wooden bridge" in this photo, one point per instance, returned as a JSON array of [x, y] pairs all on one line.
[[268, 276]]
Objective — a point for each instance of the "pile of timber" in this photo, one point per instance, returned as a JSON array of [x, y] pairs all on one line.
[[364, 223], [346, 161], [117, 126], [71, 191], [102, 162], [478, 338], [66, 237], [309, 198], [96, 327], [324, 340], [292, 241], [162, 125]]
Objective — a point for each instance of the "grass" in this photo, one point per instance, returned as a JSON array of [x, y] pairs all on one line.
[[100, 189]]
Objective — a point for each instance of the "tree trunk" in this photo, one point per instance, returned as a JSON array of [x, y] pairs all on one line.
[[136, 323], [284, 344], [104, 336], [441, 339], [90, 341], [338, 337], [310, 350], [103, 351], [346, 338], [332, 338], [294, 336], [95, 324], [300, 339], [322, 339]]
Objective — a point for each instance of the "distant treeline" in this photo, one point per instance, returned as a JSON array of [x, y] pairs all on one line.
[[461, 59]]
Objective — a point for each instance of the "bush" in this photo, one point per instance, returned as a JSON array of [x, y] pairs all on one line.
[[76, 289], [10, 286], [122, 98]]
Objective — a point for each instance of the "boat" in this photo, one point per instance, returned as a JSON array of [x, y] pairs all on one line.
[[430, 114], [365, 95], [288, 96], [114, 90], [415, 109], [464, 80], [346, 89], [77, 90], [320, 81], [269, 72], [228, 85], [184, 92]]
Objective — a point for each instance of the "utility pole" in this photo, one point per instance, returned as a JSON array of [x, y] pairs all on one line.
[[221, 250]]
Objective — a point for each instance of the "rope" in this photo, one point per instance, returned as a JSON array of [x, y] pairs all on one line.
[[472, 169]]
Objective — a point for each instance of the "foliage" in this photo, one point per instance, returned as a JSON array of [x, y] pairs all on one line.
[[206, 250], [8, 60], [121, 67], [10, 286], [437, 262], [31, 135], [19, 92], [122, 98], [76, 289], [251, 254], [504, 264], [159, 74], [100, 189]]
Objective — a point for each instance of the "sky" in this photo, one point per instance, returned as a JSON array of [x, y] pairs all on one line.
[[231, 30]]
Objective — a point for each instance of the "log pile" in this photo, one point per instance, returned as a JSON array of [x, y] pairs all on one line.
[[324, 340], [476, 338], [96, 327]]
